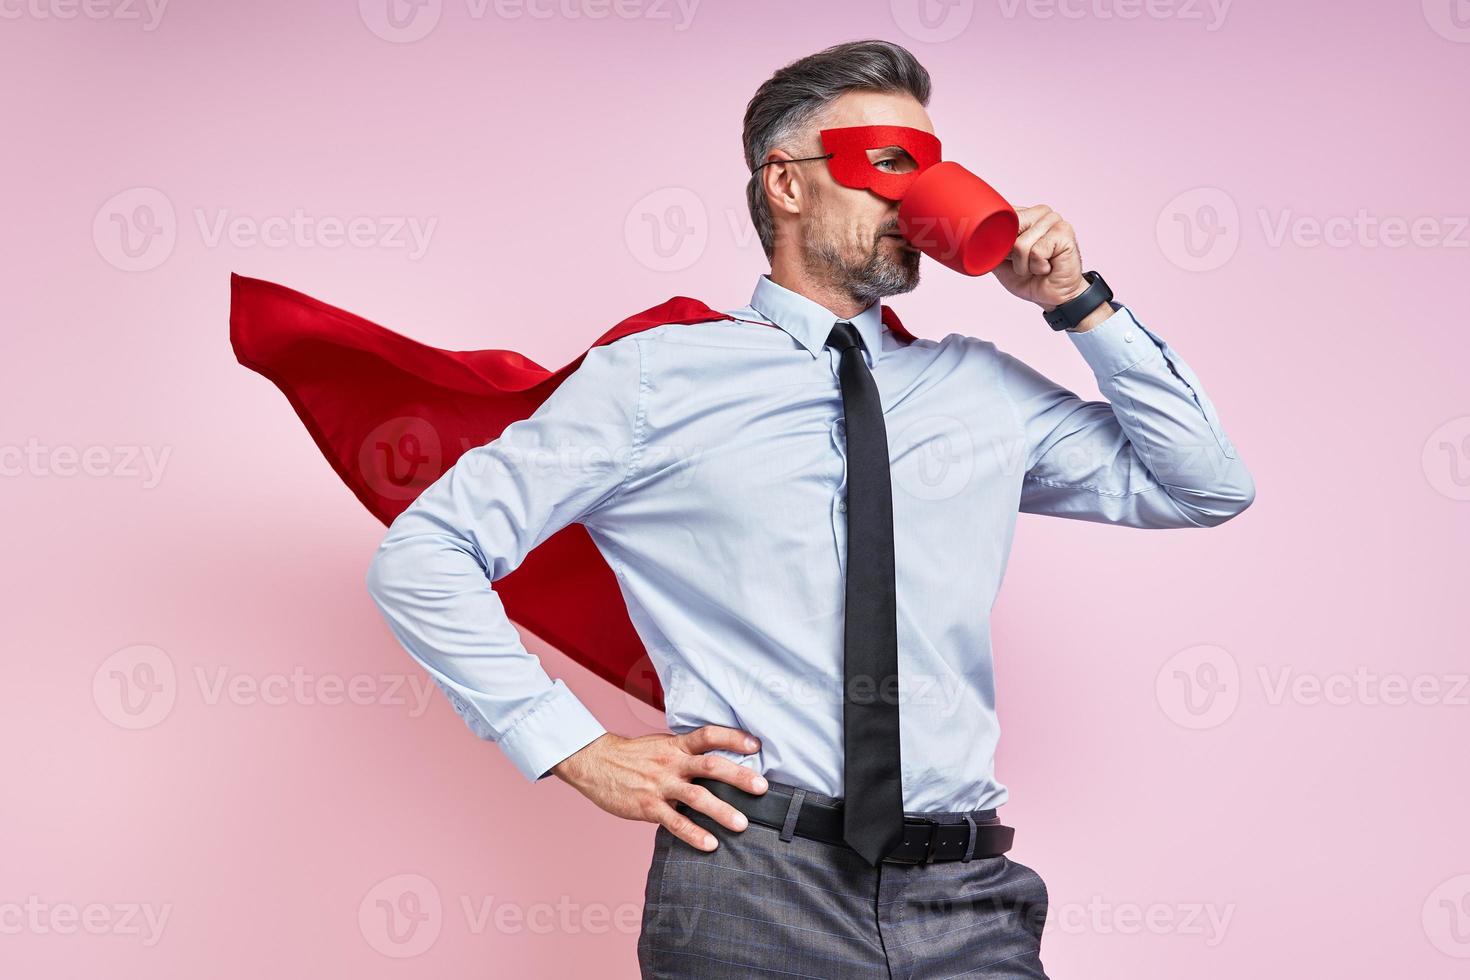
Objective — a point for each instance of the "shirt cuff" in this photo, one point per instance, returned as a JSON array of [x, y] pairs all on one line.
[[1114, 345], [558, 726]]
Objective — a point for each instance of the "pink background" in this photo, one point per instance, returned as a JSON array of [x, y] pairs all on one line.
[[1229, 828]]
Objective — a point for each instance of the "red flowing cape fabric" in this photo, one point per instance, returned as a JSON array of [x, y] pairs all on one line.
[[392, 415]]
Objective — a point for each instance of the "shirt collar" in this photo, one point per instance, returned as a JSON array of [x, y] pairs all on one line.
[[810, 322]]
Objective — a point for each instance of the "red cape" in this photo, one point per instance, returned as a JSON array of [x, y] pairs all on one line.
[[392, 415]]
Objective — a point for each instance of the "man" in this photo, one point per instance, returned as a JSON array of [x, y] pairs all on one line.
[[809, 512]]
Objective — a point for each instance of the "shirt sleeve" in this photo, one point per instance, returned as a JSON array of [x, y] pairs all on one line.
[[1153, 455], [431, 574]]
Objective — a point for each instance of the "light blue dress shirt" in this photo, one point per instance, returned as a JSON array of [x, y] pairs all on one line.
[[706, 462]]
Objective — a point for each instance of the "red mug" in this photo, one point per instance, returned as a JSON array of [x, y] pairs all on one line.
[[957, 219]]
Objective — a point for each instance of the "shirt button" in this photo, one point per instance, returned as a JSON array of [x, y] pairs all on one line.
[[1128, 336], [842, 505]]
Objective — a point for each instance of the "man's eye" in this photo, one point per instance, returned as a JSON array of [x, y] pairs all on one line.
[[898, 163]]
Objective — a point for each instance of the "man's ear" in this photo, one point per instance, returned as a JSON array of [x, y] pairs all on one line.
[[782, 185]]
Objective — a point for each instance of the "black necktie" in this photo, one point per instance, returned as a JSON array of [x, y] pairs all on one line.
[[872, 822]]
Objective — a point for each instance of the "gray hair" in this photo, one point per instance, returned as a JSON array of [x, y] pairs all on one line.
[[794, 95]]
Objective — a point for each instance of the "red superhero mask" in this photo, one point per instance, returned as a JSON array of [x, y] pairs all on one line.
[[945, 211], [907, 152]]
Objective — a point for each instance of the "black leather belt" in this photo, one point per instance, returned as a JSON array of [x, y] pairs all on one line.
[[924, 839]]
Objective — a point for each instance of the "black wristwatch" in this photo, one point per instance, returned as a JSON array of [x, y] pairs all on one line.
[[1075, 310]]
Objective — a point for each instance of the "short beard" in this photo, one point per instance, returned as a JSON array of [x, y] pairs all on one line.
[[866, 279]]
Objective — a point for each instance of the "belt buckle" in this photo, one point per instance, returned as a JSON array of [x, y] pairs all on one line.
[[930, 846]]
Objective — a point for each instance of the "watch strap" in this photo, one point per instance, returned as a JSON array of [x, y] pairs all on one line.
[[1071, 313]]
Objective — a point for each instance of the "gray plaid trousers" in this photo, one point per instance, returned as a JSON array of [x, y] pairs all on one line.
[[760, 906]]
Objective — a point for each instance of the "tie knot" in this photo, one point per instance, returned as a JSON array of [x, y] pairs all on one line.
[[843, 337]]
